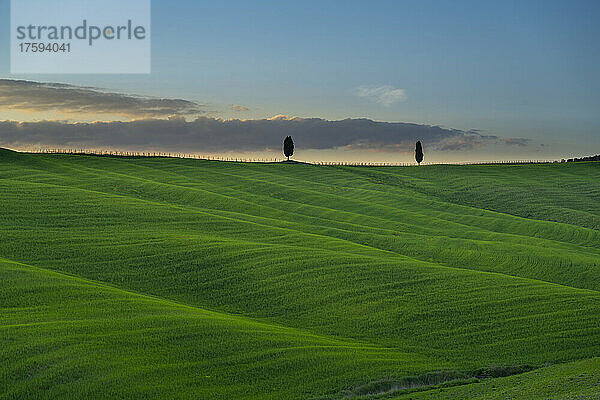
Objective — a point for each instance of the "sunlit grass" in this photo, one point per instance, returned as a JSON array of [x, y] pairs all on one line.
[[343, 275]]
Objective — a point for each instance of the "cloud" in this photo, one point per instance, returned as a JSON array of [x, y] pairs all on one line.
[[181, 125], [385, 95], [211, 135], [237, 107], [59, 98], [521, 142], [282, 117]]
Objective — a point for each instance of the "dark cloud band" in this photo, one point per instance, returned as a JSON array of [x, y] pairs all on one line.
[[215, 135]]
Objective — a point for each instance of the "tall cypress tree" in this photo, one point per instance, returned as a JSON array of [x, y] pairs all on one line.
[[419, 153], [288, 147]]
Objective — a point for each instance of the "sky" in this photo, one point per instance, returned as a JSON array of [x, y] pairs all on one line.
[[518, 79]]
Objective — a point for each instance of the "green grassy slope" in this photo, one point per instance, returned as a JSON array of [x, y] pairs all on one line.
[[386, 258], [571, 381], [64, 337], [567, 193]]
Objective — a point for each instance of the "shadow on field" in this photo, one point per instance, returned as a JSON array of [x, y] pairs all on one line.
[[429, 381]]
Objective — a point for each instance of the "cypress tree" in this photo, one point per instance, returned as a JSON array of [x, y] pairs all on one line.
[[288, 147], [419, 153]]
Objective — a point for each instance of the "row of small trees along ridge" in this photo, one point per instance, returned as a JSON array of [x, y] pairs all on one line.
[[288, 149]]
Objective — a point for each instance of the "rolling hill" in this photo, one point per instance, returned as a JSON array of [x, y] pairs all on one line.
[[179, 278]]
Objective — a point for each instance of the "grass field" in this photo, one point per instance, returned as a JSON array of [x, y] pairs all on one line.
[[178, 278]]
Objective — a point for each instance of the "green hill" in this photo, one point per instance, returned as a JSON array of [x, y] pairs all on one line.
[[177, 278]]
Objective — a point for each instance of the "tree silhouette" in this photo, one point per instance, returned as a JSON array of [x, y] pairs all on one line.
[[419, 153], [288, 147]]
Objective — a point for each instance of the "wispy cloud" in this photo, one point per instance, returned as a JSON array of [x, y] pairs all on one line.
[[385, 95], [521, 142], [237, 107], [28, 96]]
